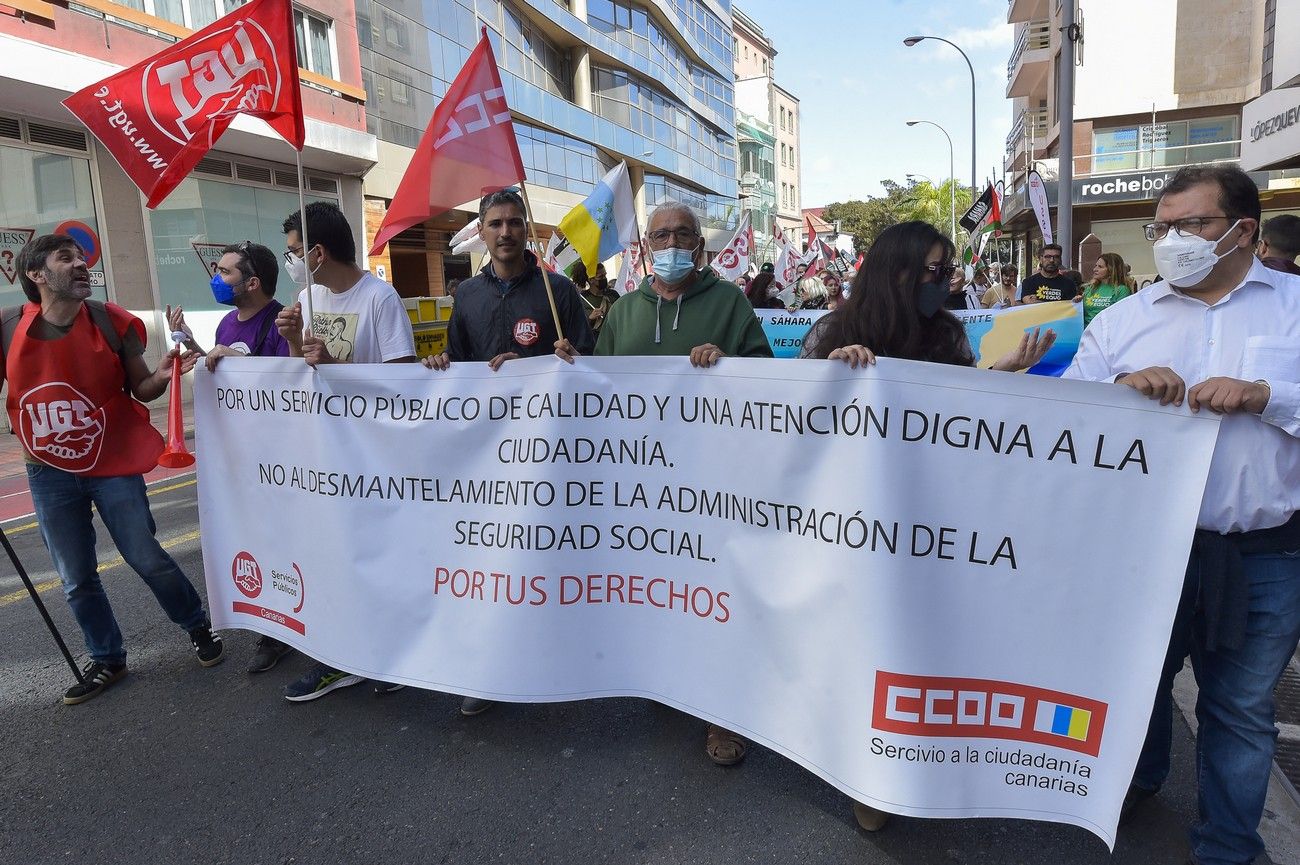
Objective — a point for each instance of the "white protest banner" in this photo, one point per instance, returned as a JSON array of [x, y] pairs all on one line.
[[833, 539], [1038, 200]]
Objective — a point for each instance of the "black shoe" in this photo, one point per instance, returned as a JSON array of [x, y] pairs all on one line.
[[207, 646], [95, 678], [269, 652], [1132, 800], [387, 687], [472, 706]]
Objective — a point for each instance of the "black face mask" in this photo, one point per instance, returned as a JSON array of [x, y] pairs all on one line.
[[929, 298]]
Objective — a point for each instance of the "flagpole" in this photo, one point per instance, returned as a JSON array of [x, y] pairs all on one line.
[[546, 279], [302, 211]]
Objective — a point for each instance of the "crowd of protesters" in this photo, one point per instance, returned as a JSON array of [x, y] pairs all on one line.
[[1226, 282]]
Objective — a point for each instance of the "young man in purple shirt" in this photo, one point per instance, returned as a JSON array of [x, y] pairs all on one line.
[[245, 278]]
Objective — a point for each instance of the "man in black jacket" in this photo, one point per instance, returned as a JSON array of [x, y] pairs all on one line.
[[503, 313]]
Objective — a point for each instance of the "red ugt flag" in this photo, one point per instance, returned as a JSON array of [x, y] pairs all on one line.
[[468, 149], [159, 117]]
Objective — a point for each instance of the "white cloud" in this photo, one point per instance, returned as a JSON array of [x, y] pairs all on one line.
[[997, 34]]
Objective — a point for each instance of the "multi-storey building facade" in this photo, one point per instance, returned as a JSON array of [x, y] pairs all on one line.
[[57, 177], [589, 82], [1161, 84], [769, 137]]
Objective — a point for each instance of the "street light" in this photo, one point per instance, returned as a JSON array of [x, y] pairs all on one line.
[[952, 178], [912, 40]]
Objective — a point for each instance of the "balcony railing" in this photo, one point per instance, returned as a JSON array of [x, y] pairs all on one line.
[[1033, 123], [1038, 34]]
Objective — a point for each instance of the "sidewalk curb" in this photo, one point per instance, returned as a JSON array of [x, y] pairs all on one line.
[[1280, 826]]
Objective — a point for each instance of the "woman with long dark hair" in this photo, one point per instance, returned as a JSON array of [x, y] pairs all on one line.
[[896, 310], [757, 292]]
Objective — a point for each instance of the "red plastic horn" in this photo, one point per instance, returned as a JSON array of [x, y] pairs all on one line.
[[176, 456]]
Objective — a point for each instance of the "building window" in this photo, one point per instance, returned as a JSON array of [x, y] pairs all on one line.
[[315, 37], [215, 211], [764, 65], [1168, 144], [783, 154], [783, 117], [399, 88], [43, 189], [792, 162], [527, 53], [396, 32]]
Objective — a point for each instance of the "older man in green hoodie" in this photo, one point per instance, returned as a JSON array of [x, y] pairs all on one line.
[[684, 309]]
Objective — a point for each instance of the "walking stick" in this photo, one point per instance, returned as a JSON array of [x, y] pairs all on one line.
[[45, 614]]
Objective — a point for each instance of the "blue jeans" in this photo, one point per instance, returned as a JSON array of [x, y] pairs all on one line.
[[62, 501], [1236, 735], [1234, 710]]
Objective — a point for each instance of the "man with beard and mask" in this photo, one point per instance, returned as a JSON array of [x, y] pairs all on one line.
[[1220, 331], [356, 318], [73, 366], [685, 309], [503, 313], [244, 277], [1049, 283]]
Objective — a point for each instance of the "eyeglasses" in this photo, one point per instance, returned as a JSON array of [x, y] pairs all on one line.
[[1185, 227], [942, 272], [684, 236]]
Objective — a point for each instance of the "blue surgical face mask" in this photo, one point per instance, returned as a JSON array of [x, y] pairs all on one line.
[[672, 265], [222, 292]]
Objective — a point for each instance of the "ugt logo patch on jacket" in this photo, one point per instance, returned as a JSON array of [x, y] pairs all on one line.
[[527, 331]]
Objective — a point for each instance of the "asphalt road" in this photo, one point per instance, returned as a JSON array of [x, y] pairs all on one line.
[[180, 764]]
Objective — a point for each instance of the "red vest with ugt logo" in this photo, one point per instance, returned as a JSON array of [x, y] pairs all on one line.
[[66, 401]]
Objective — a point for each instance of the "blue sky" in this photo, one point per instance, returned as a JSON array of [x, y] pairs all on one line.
[[857, 84]]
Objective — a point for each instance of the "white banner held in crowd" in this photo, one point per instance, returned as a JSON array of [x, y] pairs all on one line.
[[1038, 200], [826, 537], [787, 259], [629, 273], [733, 261]]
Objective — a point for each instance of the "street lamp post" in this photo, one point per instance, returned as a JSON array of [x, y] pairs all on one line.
[[912, 40], [952, 178]]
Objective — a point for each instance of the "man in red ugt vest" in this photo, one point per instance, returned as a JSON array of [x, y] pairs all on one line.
[[72, 366]]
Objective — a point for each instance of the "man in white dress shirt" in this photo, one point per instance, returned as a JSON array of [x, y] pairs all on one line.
[[1221, 333]]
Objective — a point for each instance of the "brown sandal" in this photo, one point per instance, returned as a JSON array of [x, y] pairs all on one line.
[[724, 747]]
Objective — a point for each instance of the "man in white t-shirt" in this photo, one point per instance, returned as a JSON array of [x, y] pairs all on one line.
[[356, 318]]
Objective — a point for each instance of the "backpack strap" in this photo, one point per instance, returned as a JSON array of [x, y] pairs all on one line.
[[263, 331], [99, 315], [10, 316]]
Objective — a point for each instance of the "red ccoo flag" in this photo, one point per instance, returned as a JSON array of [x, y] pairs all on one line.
[[159, 117], [469, 148]]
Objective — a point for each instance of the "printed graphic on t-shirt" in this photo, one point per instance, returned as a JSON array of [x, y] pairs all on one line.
[[339, 330]]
